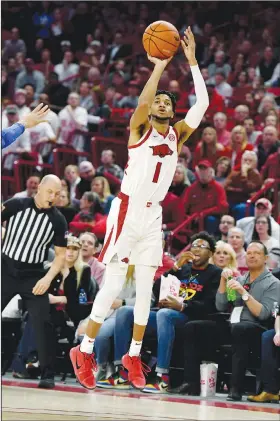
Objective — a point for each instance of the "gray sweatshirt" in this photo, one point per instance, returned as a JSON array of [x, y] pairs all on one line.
[[265, 289]]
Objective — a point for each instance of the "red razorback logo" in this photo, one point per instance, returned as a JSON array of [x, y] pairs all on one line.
[[161, 150]]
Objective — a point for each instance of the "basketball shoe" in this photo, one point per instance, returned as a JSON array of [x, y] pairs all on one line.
[[160, 385], [118, 380], [84, 365], [136, 371]]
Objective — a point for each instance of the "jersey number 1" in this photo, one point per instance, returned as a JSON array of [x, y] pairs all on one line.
[[157, 171]]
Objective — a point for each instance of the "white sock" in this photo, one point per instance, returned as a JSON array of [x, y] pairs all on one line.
[[135, 348], [87, 345]]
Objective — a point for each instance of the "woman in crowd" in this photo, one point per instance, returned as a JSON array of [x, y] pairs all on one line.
[[101, 187], [180, 181], [222, 169], [65, 289], [242, 182], [64, 205], [90, 247], [262, 232], [239, 144], [208, 148], [224, 256], [237, 240], [71, 174], [267, 104]]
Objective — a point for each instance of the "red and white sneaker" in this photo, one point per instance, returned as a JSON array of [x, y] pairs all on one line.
[[84, 365], [136, 371]]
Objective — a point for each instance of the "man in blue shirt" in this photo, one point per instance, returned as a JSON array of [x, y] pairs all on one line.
[[10, 134]]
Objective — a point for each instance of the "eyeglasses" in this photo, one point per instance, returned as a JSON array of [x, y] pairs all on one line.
[[227, 222], [202, 246], [261, 222]]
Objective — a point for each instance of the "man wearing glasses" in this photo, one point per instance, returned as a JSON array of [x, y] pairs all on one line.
[[199, 284], [226, 223]]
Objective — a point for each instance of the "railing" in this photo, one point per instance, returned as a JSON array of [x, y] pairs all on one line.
[[66, 156], [272, 185]]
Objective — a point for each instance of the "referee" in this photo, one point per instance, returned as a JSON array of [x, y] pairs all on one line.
[[32, 225]]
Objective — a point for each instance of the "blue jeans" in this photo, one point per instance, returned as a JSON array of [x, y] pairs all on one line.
[[102, 342], [26, 345], [269, 367], [161, 323]]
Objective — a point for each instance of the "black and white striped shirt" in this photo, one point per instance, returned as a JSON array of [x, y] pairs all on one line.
[[31, 231]]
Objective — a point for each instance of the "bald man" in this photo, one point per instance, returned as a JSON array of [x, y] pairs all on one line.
[[268, 146], [32, 226]]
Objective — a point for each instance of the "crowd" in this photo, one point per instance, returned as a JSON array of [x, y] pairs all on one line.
[[86, 61]]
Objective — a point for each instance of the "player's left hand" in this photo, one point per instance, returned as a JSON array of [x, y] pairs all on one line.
[[170, 302], [235, 285], [41, 286], [188, 45], [158, 61], [35, 117]]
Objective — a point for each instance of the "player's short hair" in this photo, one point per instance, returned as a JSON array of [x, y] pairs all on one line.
[[203, 235], [170, 95]]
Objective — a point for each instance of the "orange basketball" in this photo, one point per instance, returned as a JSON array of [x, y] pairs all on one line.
[[161, 39]]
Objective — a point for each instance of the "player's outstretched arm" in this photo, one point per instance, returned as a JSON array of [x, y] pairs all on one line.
[[141, 113], [195, 114]]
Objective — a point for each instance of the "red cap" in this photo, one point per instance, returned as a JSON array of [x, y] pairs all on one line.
[[265, 202], [205, 163]]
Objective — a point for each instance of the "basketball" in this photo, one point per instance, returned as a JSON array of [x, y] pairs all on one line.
[[161, 39]]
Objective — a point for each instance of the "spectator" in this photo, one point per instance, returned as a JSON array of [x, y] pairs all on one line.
[[262, 232], [271, 120], [241, 183], [32, 184], [64, 205], [227, 222], [51, 117], [219, 65], [256, 293], [220, 124], [221, 86], [30, 76], [269, 364], [71, 174], [66, 70], [45, 66], [225, 257], [271, 169], [20, 102], [118, 50], [252, 134], [87, 174], [90, 247], [131, 100], [263, 207], [101, 187], [100, 109], [30, 94], [57, 92], [239, 144], [222, 169], [90, 213], [184, 159], [181, 96], [215, 202], [42, 21], [41, 134], [72, 118], [21, 145], [108, 160], [237, 240], [57, 26], [199, 283], [268, 146], [267, 65], [275, 78], [241, 112], [180, 181], [172, 212], [13, 46], [209, 148], [267, 103], [85, 97]]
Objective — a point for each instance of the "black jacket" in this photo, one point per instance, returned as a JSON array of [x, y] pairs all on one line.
[[76, 311]]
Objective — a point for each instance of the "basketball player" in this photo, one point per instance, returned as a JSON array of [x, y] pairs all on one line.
[[10, 134], [134, 223]]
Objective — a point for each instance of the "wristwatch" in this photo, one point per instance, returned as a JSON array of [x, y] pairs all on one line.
[[245, 296]]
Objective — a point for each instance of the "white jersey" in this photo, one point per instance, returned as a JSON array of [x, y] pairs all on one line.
[[151, 166]]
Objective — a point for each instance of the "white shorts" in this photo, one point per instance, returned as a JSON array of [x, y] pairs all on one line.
[[133, 233]]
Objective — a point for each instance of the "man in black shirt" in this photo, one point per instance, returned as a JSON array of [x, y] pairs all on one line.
[[32, 226], [199, 284]]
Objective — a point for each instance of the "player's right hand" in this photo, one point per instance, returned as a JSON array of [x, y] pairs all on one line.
[[158, 61]]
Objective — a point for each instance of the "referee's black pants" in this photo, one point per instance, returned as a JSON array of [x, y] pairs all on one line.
[[15, 281]]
